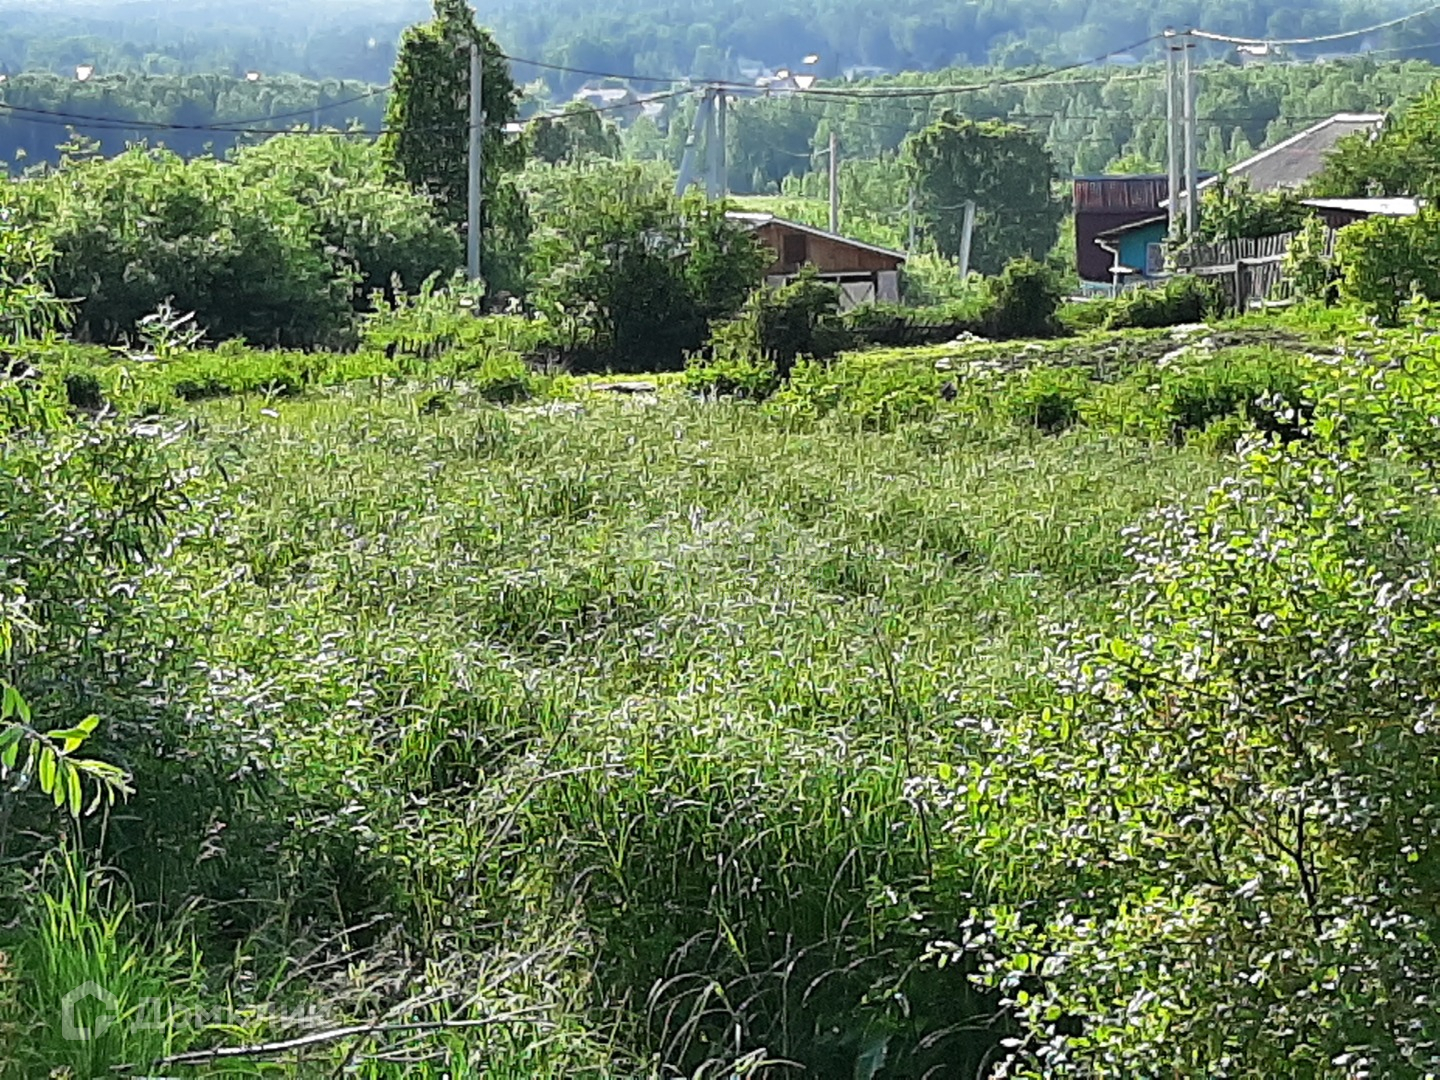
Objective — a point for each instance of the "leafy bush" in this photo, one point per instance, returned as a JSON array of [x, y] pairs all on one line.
[[1263, 385], [1087, 315], [1182, 299], [1022, 301], [619, 263], [928, 280], [1049, 398], [132, 231], [774, 330], [1212, 770], [1308, 263], [1231, 209], [1385, 261], [875, 389], [388, 236]]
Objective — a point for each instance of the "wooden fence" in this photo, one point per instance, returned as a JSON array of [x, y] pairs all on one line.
[[1251, 273]]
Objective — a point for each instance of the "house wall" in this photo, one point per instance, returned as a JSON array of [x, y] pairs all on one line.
[[828, 256], [1134, 244], [1103, 203]]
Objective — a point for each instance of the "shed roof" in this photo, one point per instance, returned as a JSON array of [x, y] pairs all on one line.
[[1143, 223], [1293, 161], [759, 219], [1399, 206]]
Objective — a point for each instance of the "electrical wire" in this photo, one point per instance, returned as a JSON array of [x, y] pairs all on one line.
[[220, 126], [93, 123], [1321, 39]]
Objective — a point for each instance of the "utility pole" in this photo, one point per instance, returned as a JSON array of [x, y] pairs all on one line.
[[910, 209], [722, 113], [1172, 135], [966, 233], [1192, 196], [477, 164], [717, 182], [692, 141], [834, 182]]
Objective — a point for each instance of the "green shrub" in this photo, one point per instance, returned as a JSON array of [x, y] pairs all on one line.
[[1022, 301], [733, 365], [1307, 263], [1087, 315], [1258, 383], [1182, 299], [873, 388], [1049, 398], [1385, 261]]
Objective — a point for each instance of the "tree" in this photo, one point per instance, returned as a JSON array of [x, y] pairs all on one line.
[[428, 119], [1385, 261], [627, 270], [579, 131], [1005, 169], [1231, 210]]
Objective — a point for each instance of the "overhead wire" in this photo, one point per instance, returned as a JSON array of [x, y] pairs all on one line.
[[1319, 39]]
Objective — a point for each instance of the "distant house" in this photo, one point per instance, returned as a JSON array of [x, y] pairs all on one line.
[[1105, 203], [1135, 250], [1131, 243], [619, 102], [1298, 159], [864, 272]]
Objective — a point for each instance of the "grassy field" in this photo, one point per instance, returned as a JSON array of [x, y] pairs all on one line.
[[604, 723]]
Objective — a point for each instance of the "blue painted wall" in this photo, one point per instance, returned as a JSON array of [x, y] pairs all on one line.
[[1132, 244]]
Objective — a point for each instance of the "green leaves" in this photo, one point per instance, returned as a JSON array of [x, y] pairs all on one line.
[[1005, 170], [48, 758]]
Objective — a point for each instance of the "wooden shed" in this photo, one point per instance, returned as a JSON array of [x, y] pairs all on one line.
[[865, 273]]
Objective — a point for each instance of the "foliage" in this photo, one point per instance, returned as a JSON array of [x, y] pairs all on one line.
[[1230, 209], [1385, 261], [1401, 160], [1308, 263], [1005, 169], [1209, 802], [928, 280], [1049, 398], [388, 237], [578, 132], [1180, 300], [1022, 301], [621, 266], [427, 124], [128, 233]]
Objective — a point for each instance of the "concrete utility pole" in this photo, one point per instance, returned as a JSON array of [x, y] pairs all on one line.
[[834, 182], [1192, 195], [477, 164], [692, 142], [910, 210], [1172, 134], [715, 144], [722, 114], [966, 233]]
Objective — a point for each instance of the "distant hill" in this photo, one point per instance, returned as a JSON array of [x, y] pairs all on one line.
[[663, 39]]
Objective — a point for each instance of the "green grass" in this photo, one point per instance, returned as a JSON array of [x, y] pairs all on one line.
[[604, 715], [654, 675]]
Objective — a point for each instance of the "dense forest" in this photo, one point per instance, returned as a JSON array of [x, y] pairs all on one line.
[[662, 39]]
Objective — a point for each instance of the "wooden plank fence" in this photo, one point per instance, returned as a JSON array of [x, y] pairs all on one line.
[[1250, 272]]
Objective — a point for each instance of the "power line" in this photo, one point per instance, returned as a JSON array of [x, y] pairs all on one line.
[[1321, 39], [220, 126], [110, 123]]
